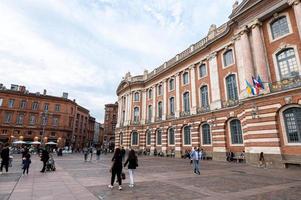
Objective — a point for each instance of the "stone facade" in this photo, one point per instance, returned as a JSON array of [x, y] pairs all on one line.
[[205, 86]]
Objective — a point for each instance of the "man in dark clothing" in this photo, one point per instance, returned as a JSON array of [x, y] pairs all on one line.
[[44, 159], [5, 158], [123, 153]]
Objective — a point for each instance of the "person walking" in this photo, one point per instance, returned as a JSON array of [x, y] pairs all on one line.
[[85, 150], [132, 160], [98, 153], [4, 158], [262, 162], [123, 153], [91, 153], [26, 163], [116, 168], [44, 159], [195, 161]]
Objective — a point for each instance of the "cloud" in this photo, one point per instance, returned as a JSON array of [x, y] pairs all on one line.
[[85, 47]]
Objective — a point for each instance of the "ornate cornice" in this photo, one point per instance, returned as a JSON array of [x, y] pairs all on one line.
[[255, 23], [293, 2]]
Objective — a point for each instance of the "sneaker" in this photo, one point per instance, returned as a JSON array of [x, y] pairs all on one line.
[[131, 185], [119, 188], [110, 186], [1, 173]]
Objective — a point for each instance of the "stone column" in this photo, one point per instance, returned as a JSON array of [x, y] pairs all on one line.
[[193, 92], [154, 103], [247, 56], [259, 53], [126, 110], [143, 107], [177, 108], [164, 99], [214, 82], [130, 108], [297, 10], [119, 112]]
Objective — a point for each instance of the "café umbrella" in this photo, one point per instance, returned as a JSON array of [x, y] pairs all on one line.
[[35, 142], [51, 143], [19, 142]]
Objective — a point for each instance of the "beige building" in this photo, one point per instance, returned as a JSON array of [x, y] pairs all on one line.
[[199, 97]]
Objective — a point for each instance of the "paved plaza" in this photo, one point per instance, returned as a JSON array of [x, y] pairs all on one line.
[[156, 178]]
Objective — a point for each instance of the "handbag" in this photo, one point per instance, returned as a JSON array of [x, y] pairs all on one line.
[[123, 175]]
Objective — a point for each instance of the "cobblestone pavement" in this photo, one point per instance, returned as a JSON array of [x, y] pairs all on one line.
[[155, 178]]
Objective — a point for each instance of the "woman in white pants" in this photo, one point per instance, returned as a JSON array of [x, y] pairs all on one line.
[[132, 160]]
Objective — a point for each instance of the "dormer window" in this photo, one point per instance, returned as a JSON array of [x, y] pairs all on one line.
[[185, 78], [228, 58]]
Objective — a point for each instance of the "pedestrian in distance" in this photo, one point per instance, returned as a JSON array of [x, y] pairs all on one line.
[[85, 150], [200, 154], [26, 163], [91, 153], [123, 153], [5, 158], [116, 168], [44, 159], [194, 156], [132, 160], [262, 162], [98, 153]]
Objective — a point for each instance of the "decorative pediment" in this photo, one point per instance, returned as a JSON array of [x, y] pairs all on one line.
[[242, 7]]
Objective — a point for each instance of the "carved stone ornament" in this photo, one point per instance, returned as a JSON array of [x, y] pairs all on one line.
[[293, 2], [288, 99], [255, 23]]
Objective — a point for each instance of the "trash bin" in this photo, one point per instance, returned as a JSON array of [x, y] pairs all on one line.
[[10, 162]]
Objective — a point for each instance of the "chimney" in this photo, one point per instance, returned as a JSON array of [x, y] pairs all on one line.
[[44, 92], [65, 95]]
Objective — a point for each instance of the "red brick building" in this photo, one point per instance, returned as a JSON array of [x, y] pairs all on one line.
[[35, 117], [110, 122], [200, 97]]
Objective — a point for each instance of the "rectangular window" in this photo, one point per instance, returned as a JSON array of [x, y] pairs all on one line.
[[20, 118], [11, 103], [52, 134], [185, 78], [8, 117], [57, 108], [159, 137], [171, 84], [23, 104], [202, 70], [4, 132], [35, 105], [1, 100], [172, 105], [55, 121], [32, 120], [46, 107]]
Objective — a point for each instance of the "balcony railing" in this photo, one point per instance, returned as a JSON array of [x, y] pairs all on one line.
[[184, 114], [201, 110], [148, 121], [171, 116], [286, 84], [230, 103], [135, 122], [158, 119]]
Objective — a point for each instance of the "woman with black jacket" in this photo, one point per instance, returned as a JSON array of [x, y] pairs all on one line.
[[116, 168], [133, 163]]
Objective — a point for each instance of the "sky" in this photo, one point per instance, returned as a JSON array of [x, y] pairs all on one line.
[[85, 47]]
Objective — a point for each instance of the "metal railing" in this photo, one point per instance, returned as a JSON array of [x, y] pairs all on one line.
[[285, 84]]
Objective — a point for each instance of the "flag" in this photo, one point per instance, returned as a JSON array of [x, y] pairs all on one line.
[[260, 82], [255, 83], [249, 88]]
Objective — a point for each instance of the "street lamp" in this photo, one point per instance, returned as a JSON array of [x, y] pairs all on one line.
[[44, 123]]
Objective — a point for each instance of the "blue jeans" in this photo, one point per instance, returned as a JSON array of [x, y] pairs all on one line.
[[196, 168]]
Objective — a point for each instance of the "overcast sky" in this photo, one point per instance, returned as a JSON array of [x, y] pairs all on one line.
[[85, 47]]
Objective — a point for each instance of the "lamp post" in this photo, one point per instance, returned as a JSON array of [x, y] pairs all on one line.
[[44, 123]]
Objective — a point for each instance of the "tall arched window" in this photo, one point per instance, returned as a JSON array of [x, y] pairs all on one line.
[[228, 57], [204, 96], [231, 87], [160, 90], [121, 138], [150, 93], [185, 78], [171, 105], [236, 133], [134, 138], [148, 137], [292, 120], [279, 27], [160, 110], [150, 112], [187, 135], [171, 84], [287, 63], [186, 102], [159, 137], [136, 96], [136, 114], [206, 136], [202, 70], [171, 136]]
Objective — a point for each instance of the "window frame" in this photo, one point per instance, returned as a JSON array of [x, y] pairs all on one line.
[[174, 136], [132, 138], [160, 109], [202, 134], [11, 103], [230, 133], [200, 96], [149, 112], [285, 14], [173, 84], [183, 81], [203, 64], [223, 57], [183, 135], [157, 138], [183, 96], [148, 138], [136, 118], [236, 85], [136, 96], [169, 105]]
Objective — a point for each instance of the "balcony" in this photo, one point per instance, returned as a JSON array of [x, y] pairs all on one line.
[[148, 121], [286, 84], [171, 116], [158, 119], [230, 103], [185, 114], [201, 110], [135, 122]]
